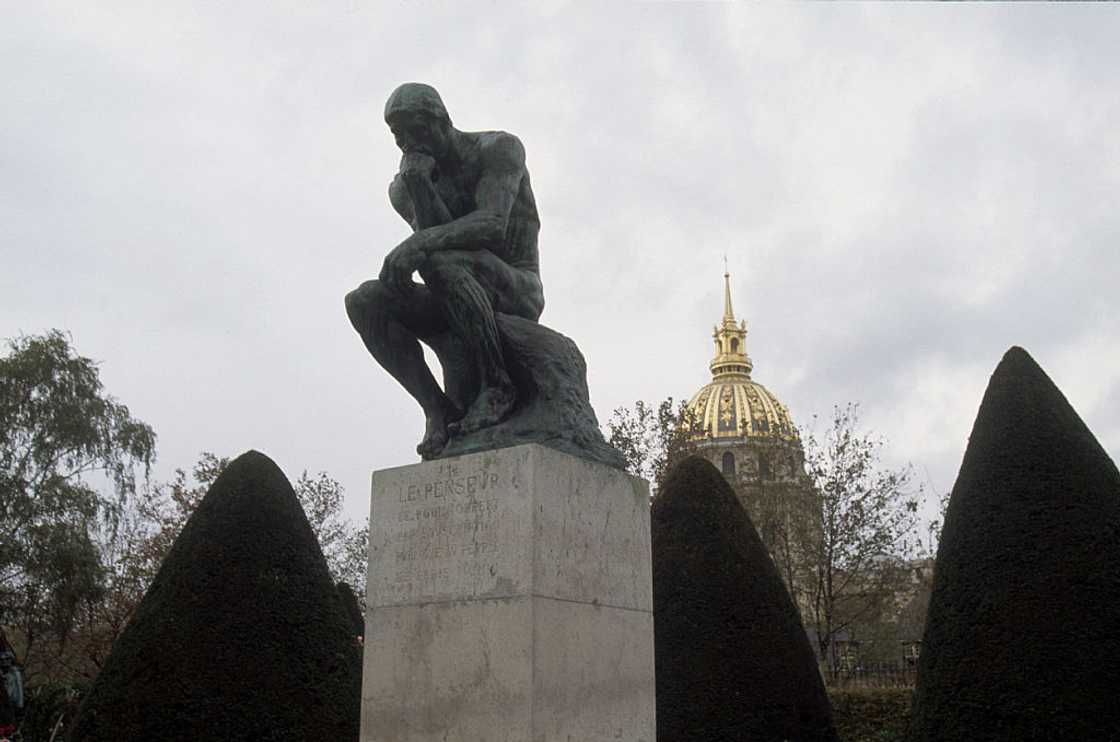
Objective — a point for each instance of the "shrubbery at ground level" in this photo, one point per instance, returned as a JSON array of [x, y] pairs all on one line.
[[860, 714], [871, 714], [48, 706]]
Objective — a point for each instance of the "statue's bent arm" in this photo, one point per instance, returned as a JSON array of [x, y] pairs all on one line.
[[503, 167], [418, 205], [402, 203]]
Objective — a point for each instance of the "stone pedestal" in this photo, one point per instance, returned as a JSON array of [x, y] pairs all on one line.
[[510, 600]]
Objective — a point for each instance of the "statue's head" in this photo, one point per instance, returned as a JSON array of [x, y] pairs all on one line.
[[418, 119]]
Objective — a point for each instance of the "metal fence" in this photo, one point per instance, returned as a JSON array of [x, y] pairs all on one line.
[[871, 675]]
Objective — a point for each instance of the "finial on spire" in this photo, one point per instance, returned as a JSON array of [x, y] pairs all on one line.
[[728, 315]]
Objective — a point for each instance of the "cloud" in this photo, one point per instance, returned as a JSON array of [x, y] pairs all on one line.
[[902, 191]]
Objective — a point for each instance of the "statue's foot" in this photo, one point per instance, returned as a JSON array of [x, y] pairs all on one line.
[[436, 432], [491, 406], [435, 439]]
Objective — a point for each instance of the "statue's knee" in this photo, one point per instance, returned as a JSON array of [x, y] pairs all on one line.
[[362, 302]]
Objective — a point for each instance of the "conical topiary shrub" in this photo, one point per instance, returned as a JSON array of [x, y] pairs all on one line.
[[353, 610], [733, 662], [241, 635], [1022, 638]]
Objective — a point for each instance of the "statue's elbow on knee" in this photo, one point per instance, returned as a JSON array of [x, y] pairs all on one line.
[[351, 302], [357, 302]]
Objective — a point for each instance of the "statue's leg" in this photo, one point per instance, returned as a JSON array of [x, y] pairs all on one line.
[[460, 375], [470, 284], [390, 322]]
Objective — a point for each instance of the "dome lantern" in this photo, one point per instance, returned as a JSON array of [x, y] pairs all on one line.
[[731, 357]]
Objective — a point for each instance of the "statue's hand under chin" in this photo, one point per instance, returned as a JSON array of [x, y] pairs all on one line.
[[417, 165]]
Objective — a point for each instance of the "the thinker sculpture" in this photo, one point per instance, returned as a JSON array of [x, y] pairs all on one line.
[[507, 379]]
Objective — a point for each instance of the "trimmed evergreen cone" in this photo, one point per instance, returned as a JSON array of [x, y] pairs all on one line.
[[1022, 638], [733, 662], [353, 610], [241, 635]]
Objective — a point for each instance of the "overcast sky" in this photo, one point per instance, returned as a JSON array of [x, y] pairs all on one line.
[[902, 191]]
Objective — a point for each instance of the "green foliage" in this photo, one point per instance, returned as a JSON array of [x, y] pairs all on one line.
[[344, 545], [353, 610], [871, 715], [80, 542], [651, 438], [51, 708], [858, 549], [130, 553], [133, 550], [58, 427], [167, 508]]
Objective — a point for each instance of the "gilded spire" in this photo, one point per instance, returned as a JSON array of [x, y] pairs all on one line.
[[730, 336], [728, 315]]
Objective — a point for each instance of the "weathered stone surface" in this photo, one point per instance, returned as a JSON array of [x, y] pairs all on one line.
[[1023, 632], [553, 407], [241, 635], [509, 598], [733, 662]]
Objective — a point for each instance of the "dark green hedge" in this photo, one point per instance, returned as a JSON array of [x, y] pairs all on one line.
[[353, 610], [1022, 640], [871, 714], [733, 662], [241, 636]]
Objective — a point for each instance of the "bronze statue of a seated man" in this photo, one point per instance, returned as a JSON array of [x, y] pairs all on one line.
[[474, 219]]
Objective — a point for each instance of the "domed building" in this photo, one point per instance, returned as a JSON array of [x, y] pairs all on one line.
[[736, 422], [741, 427]]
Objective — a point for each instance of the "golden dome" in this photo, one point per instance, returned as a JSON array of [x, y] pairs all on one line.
[[732, 405], [734, 408]]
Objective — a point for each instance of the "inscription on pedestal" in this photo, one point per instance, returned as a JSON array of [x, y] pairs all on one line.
[[511, 601], [439, 536]]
